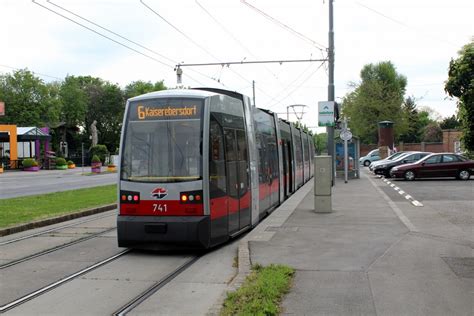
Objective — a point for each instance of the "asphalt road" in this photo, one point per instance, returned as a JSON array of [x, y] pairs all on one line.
[[452, 199], [20, 183]]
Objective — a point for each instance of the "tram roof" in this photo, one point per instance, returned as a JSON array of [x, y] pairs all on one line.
[[175, 93]]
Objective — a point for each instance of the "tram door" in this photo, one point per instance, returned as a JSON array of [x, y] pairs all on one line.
[[237, 179], [287, 167]]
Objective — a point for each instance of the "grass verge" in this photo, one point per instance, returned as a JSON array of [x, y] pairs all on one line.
[[261, 292], [31, 208]]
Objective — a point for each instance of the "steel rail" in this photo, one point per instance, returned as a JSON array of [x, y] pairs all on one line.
[[53, 229], [44, 252], [154, 288], [47, 288]]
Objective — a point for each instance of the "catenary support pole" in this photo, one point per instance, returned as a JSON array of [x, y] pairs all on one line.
[[330, 129], [253, 88]]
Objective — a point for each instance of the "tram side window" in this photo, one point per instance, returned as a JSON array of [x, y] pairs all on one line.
[[217, 176]]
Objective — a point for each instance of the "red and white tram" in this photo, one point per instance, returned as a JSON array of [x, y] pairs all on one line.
[[200, 166]]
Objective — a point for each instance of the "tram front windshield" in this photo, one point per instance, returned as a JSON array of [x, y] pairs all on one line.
[[162, 141]]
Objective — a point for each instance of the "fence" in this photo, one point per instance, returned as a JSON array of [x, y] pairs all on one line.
[[429, 147]]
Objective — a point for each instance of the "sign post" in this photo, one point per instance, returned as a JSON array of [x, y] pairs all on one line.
[[345, 135]]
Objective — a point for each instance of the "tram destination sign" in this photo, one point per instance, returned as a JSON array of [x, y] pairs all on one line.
[[142, 111]]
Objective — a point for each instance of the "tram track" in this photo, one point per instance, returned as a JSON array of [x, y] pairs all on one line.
[[54, 229], [47, 251], [142, 297], [56, 284]]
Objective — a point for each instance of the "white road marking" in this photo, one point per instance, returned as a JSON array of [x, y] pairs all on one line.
[[416, 203], [395, 208], [408, 197]]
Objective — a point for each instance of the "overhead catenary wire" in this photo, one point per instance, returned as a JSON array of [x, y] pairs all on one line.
[[400, 23], [259, 62], [179, 31], [221, 25], [34, 72], [296, 88], [69, 17], [285, 26], [102, 35], [198, 45], [111, 39], [288, 86], [120, 36], [110, 31]]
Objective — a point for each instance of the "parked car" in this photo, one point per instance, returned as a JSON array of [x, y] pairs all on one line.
[[371, 156], [436, 165], [391, 157], [384, 168]]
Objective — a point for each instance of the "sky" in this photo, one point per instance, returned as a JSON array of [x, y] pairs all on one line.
[[150, 37]]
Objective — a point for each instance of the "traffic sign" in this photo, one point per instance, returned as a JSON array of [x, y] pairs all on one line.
[[345, 135]]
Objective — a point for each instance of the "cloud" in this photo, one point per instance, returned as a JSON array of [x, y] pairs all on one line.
[[418, 37]]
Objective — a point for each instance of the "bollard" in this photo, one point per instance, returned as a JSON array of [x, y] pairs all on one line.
[[322, 184]]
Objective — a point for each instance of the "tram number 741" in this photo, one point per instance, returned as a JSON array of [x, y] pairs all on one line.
[[162, 208]]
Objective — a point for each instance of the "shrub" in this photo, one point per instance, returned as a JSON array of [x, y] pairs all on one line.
[[70, 162], [100, 151], [29, 162], [95, 159], [60, 161]]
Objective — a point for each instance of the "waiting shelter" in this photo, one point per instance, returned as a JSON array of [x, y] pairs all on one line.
[[18, 143]]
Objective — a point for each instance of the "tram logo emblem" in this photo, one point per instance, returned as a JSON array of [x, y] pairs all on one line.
[[159, 193]]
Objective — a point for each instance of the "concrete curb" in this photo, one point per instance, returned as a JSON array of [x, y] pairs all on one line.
[[260, 233], [55, 220]]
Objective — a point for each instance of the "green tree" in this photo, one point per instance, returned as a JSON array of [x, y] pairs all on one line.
[[450, 123], [141, 87], [105, 104], [28, 100], [73, 112], [378, 97], [412, 135], [74, 102], [303, 127], [320, 143], [460, 84], [110, 116]]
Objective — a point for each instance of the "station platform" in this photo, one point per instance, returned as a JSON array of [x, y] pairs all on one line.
[[370, 256]]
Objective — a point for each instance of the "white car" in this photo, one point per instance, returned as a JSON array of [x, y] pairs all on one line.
[[371, 156]]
